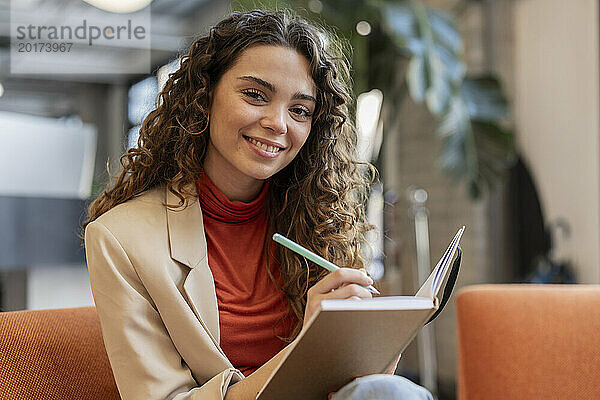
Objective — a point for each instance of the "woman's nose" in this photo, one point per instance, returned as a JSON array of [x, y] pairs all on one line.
[[275, 120]]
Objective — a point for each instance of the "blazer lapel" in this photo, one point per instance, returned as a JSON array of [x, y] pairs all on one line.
[[188, 246]]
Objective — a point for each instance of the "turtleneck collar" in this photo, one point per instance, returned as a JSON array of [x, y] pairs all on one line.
[[216, 205]]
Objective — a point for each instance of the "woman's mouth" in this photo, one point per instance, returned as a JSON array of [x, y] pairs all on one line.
[[263, 149]]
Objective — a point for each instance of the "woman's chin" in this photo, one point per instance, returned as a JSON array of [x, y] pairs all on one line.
[[262, 173]]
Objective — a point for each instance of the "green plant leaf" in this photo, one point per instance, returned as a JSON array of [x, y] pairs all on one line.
[[444, 31], [454, 129], [453, 64], [484, 98], [438, 93], [400, 20], [416, 79], [476, 151]]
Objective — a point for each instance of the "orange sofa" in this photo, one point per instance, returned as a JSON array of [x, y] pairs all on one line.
[[528, 342], [54, 354]]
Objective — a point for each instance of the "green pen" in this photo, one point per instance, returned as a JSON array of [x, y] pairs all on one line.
[[312, 257]]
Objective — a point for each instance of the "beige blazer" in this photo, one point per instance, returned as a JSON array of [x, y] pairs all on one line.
[[156, 300]]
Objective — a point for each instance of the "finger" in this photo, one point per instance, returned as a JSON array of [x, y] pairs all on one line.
[[348, 292], [337, 278]]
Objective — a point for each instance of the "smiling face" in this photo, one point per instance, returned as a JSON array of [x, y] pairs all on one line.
[[260, 116]]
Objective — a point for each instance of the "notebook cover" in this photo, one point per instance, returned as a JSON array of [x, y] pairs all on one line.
[[341, 345]]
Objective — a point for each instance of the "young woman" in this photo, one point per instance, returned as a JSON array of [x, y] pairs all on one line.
[[251, 136]]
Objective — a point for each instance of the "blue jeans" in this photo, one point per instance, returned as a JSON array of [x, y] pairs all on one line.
[[382, 387]]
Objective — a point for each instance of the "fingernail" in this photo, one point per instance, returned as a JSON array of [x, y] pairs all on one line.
[[370, 280]]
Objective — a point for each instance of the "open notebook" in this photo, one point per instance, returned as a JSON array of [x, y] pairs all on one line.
[[351, 338]]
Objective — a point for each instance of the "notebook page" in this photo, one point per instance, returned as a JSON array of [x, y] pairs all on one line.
[[445, 261], [431, 285]]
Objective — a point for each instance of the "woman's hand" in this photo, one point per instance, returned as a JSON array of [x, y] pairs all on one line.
[[344, 283]]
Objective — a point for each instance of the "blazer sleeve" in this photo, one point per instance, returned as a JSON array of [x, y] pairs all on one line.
[[145, 363]]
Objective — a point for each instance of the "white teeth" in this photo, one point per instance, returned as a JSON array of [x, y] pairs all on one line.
[[270, 149]]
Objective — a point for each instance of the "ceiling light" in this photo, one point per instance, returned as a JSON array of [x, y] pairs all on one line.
[[119, 6], [363, 28]]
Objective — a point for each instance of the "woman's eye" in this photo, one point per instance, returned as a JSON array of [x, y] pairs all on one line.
[[253, 94], [301, 112]]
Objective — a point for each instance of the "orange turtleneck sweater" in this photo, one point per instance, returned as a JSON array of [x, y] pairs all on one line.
[[250, 304]]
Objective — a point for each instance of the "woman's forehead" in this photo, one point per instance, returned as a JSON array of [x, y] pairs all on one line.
[[280, 66]]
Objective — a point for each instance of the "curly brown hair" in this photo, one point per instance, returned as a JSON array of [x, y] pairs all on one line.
[[319, 197]]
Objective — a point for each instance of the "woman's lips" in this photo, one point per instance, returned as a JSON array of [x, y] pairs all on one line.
[[262, 149]]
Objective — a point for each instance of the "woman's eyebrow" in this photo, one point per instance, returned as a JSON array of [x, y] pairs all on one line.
[[271, 87]]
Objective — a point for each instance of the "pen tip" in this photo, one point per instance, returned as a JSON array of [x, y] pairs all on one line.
[[373, 290]]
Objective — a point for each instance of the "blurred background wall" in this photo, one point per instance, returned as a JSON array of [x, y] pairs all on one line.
[[557, 112]]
